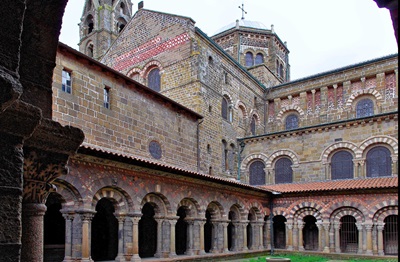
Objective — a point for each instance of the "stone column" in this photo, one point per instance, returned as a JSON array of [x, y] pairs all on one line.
[[244, 226], [225, 229], [261, 236], [159, 237], [300, 226], [380, 227], [368, 228], [86, 217], [172, 222], [190, 240], [326, 226], [320, 235], [201, 228], [289, 240], [394, 165], [336, 227], [360, 238], [214, 237], [135, 237], [69, 217], [120, 256], [46, 154], [268, 238], [296, 236], [32, 231]]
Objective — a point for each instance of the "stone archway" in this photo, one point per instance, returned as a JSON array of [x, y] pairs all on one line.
[[147, 232], [54, 229], [104, 242]]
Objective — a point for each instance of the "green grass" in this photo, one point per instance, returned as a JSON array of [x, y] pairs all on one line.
[[313, 258]]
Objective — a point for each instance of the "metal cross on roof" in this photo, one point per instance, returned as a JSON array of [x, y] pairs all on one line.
[[243, 12]]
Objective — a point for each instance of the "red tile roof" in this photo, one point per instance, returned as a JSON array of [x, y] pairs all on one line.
[[335, 185]]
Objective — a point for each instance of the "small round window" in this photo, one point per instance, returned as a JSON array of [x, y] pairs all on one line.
[[155, 149]]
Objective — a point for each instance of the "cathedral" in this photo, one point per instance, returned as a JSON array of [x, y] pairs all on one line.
[[158, 142]]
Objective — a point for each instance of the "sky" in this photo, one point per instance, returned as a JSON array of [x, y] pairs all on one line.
[[321, 35]]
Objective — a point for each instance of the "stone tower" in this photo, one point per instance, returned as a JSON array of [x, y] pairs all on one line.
[[101, 22], [257, 48]]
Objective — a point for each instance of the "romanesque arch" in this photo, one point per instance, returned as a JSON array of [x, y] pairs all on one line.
[[73, 199], [161, 205], [117, 196], [336, 146], [287, 109], [390, 141], [285, 152], [191, 205], [365, 92]]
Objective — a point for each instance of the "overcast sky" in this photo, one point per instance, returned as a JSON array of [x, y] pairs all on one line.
[[321, 34]]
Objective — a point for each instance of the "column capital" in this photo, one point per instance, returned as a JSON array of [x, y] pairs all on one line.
[[336, 225], [368, 226], [86, 215], [380, 226]]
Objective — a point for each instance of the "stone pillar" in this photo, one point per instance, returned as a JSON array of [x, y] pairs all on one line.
[[336, 227], [289, 240], [214, 237], [135, 237], [159, 237], [244, 226], [268, 244], [360, 238], [320, 235], [120, 256], [261, 236], [190, 240], [394, 165], [201, 228], [69, 217], [368, 228], [326, 226], [295, 236], [86, 218], [300, 226], [172, 222], [225, 229], [380, 227], [32, 231]]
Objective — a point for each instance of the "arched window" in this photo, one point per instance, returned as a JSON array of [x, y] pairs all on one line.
[[259, 59], [249, 59], [253, 126], [225, 156], [291, 122], [226, 110], [277, 67], [364, 107], [281, 70], [283, 171], [90, 50], [122, 8], [257, 173], [89, 24], [342, 165], [154, 79], [379, 162]]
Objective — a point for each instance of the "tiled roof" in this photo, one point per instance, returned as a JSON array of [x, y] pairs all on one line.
[[335, 185], [86, 148]]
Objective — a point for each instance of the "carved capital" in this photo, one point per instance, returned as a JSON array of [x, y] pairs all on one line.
[[40, 169]]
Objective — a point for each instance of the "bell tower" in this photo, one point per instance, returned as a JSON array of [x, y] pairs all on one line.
[[101, 22]]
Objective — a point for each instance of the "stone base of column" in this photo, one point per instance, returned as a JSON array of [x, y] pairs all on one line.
[[368, 252], [68, 259], [172, 254], [326, 250], [120, 258], [86, 260], [301, 248], [381, 253], [135, 258], [290, 248], [202, 252]]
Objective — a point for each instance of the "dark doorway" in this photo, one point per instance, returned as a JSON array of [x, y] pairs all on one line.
[[54, 230], [279, 231], [104, 232], [390, 235], [181, 232], [348, 235], [249, 232], [310, 233], [207, 232], [231, 229], [147, 232]]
